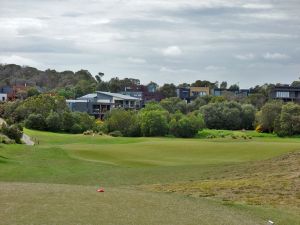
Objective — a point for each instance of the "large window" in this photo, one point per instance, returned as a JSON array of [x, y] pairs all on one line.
[[282, 94]]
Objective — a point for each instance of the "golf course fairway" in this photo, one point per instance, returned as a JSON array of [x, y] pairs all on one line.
[[150, 181]]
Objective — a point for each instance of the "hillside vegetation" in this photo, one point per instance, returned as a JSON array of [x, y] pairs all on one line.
[[12, 74]]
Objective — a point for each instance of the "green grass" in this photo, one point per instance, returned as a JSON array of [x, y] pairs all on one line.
[[60, 175], [228, 133]]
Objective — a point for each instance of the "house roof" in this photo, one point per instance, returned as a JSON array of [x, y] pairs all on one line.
[[93, 95], [117, 95]]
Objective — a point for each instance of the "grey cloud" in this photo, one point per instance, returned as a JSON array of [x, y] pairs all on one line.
[[215, 39]]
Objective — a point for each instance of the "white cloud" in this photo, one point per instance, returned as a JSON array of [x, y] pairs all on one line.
[[136, 60], [171, 70], [172, 51], [19, 60], [268, 16], [275, 56], [257, 6], [214, 68], [249, 56]]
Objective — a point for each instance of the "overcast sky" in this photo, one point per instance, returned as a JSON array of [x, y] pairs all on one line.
[[246, 42]]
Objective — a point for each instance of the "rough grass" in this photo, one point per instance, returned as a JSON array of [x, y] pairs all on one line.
[[210, 133], [55, 182], [273, 182]]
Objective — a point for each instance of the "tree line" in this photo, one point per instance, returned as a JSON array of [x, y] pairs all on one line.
[[172, 116]]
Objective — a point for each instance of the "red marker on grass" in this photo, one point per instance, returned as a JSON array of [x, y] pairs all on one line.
[[100, 190]]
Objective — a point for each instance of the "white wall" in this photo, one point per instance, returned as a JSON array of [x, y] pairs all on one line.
[[3, 97]]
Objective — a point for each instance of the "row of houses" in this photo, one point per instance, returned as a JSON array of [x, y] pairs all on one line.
[[191, 93], [11, 93], [99, 103]]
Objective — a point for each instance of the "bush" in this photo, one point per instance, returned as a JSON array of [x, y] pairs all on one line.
[[76, 129], [88, 132], [116, 133], [223, 115], [288, 123], [12, 132], [36, 122], [153, 123], [54, 122], [6, 140], [187, 126], [124, 121]]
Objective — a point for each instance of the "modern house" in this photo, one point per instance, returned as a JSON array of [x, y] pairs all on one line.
[[199, 92], [99, 103], [235, 92], [145, 93], [286, 93], [183, 93]]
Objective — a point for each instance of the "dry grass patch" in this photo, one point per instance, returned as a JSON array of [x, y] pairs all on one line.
[[273, 182]]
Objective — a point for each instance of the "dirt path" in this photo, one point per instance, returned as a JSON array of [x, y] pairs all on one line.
[[26, 139]]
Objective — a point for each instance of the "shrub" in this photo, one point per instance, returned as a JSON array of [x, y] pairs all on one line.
[[153, 123], [223, 115], [36, 122], [124, 121], [88, 132], [12, 132], [116, 133], [54, 122], [187, 126], [6, 140], [68, 121], [76, 129]]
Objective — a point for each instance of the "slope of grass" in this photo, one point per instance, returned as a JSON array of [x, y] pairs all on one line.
[[69, 168]]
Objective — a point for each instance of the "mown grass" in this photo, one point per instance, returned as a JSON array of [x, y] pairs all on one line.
[[124, 165]]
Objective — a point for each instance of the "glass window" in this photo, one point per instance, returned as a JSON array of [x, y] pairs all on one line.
[[282, 94]]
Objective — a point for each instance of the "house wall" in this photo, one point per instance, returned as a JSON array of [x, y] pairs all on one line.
[[199, 91], [3, 97]]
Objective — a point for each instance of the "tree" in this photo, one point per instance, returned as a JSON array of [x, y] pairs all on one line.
[[124, 121], [234, 87], [68, 121], [270, 114], [36, 122], [222, 115], [186, 126], [296, 83], [223, 85], [99, 77], [54, 122], [204, 83], [174, 104], [32, 92], [168, 90], [289, 121], [153, 123], [248, 116]]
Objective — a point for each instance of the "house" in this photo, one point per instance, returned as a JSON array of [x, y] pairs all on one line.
[[3, 97], [286, 93], [235, 92], [99, 103], [183, 93], [14, 92], [199, 92], [145, 93]]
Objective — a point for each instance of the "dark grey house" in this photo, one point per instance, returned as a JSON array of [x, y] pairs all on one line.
[[97, 104], [286, 93], [237, 92]]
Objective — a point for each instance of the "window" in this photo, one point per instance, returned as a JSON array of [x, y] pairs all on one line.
[[282, 94]]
